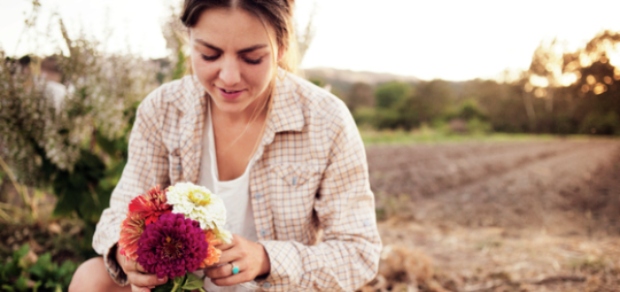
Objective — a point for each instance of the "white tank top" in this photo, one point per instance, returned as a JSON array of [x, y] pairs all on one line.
[[236, 196]]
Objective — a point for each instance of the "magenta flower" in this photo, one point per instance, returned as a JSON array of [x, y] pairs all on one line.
[[172, 246]]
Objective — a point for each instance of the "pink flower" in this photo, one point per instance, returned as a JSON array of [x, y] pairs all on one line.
[[172, 246]]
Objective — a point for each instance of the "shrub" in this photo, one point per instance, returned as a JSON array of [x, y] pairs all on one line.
[[25, 271]]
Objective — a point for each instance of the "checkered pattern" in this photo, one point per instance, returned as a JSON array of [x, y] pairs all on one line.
[[310, 177]]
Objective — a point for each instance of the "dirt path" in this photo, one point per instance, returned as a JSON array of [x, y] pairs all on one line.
[[526, 216]]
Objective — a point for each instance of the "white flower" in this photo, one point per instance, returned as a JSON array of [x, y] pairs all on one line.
[[223, 235], [198, 203]]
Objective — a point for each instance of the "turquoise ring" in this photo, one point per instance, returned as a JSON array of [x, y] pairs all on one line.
[[235, 269]]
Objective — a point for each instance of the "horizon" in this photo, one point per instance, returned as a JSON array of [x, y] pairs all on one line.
[[447, 40]]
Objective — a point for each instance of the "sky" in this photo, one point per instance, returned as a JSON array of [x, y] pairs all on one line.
[[452, 40]]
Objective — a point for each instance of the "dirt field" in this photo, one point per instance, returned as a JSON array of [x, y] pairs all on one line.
[[501, 216]]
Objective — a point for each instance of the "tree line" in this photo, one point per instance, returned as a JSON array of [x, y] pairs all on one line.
[[563, 92]]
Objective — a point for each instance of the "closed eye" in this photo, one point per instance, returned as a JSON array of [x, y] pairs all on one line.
[[209, 58], [253, 61]]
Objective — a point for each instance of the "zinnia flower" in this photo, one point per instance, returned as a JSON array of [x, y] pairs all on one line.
[[172, 246], [197, 203], [131, 229], [151, 205], [223, 235], [213, 254], [143, 210]]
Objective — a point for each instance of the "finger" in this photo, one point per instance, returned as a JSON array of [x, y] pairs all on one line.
[[139, 268], [139, 289], [232, 280], [225, 246], [235, 253], [222, 271], [219, 271], [145, 280], [130, 266]]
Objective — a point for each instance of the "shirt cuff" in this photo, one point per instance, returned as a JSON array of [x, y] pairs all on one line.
[[114, 269]]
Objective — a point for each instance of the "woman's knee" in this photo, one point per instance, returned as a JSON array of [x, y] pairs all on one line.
[[93, 276]]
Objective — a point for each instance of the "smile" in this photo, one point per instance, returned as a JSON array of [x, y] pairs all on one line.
[[230, 94]]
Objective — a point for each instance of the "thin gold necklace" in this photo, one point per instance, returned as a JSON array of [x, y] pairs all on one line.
[[255, 116]]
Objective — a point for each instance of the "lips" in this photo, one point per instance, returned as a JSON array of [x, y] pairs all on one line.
[[229, 93]]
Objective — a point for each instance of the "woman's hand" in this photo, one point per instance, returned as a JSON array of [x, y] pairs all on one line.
[[139, 280], [250, 258]]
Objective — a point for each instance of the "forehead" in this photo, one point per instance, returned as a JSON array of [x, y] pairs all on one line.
[[230, 28]]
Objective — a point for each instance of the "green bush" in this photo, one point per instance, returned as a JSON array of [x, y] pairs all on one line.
[[24, 271], [364, 116], [477, 126], [601, 124]]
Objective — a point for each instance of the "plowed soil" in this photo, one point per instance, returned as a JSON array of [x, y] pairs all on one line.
[[499, 216]]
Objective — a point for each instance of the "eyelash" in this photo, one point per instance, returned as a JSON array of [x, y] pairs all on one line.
[[249, 61]]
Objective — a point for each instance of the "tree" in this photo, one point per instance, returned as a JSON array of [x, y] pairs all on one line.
[[360, 95], [390, 94]]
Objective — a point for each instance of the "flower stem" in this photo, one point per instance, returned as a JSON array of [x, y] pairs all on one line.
[[176, 286]]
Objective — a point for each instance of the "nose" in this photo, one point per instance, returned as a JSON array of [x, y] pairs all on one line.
[[229, 72]]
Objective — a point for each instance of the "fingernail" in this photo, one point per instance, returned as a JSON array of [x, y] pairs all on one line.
[[161, 279]]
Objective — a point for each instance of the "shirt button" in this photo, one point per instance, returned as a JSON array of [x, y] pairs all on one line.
[[294, 182], [266, 285], [263, 232], [179, 167], [258, 196]]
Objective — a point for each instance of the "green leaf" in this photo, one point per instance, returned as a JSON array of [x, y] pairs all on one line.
[[192, 282], [65, 204], [21, 284], [164, 288], [36, 286], [178, 282], [21, 252]]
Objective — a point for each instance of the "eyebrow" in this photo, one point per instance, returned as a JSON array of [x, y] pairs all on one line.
[[242, 51]]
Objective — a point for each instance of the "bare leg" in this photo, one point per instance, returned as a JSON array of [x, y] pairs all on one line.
[[93, 276]]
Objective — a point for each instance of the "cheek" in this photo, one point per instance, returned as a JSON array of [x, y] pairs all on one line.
[[260, 75], [202, 70]]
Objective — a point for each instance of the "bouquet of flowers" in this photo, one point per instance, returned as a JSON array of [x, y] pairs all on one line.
[[172, 232]]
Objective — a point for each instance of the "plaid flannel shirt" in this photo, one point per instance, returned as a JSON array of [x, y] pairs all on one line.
[[310, 177]]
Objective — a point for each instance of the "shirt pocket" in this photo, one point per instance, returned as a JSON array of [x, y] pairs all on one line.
[[293, 192], [175, 169]]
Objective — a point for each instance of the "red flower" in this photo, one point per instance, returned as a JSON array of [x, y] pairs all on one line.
[[151, 205], [143, 210]]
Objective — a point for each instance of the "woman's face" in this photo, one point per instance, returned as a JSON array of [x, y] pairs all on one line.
[[233, 59]]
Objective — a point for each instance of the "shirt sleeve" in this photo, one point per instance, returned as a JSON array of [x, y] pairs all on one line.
[[147, 166], [348, 256]]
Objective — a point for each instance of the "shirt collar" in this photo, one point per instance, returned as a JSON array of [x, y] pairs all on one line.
[[286, 112], [287, 108]]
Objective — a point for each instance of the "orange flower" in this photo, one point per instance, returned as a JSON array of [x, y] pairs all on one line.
[[131, 230], [213, 254], [143, 210]]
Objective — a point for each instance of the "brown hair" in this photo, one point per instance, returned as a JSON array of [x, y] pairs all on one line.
[[277, 13]]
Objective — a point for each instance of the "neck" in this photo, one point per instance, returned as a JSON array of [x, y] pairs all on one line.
[[256, 112]]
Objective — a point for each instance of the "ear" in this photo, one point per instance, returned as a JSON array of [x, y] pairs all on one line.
[[281, 53]]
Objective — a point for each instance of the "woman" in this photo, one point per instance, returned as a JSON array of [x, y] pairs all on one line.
[[284, 154]]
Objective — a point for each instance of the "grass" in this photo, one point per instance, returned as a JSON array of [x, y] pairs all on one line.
[[429, 135]]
